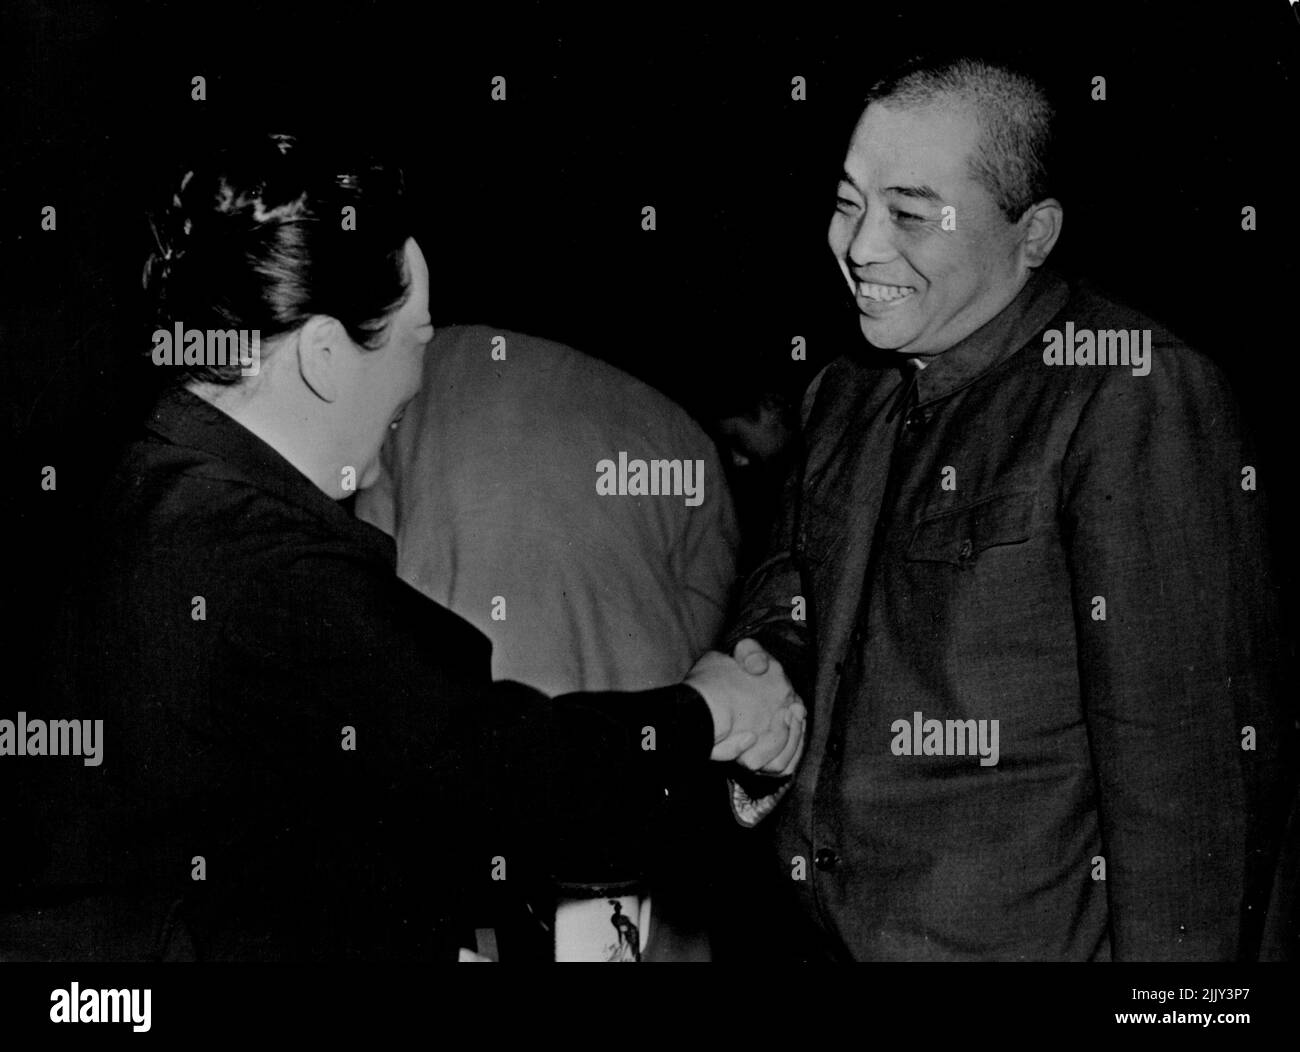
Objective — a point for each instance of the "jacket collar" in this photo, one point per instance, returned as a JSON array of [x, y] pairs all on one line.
[[183, 419], [1042, 297]]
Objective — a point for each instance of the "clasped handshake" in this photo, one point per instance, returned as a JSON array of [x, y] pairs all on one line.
[[758, 719]]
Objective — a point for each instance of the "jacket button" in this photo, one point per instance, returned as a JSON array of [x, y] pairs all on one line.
[[834, 746], [826, 859], [915, 420], [966, 550]]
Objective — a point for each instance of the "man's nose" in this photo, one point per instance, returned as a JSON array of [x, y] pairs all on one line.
[[872, 240]]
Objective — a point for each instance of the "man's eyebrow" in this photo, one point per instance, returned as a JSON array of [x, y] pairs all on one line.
[[846, 178], [919, 193]]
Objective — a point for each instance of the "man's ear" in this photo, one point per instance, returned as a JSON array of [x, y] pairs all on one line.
[[320, 356], [1041, 226]]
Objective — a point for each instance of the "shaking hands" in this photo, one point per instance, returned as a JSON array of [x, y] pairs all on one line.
[[758, 719]]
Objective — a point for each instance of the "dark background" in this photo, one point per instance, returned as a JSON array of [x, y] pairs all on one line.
[[530, 210]]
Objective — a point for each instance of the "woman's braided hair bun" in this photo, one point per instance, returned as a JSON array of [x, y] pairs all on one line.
[[258, 238]]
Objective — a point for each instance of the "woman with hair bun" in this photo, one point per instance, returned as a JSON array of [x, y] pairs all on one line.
[[302, 757]]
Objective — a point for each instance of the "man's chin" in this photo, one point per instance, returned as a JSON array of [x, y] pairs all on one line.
[[885, 338]]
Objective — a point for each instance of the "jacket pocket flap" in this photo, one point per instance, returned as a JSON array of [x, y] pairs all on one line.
[[960, 535]]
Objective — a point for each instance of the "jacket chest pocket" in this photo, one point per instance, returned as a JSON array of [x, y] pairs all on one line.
[[959, 537]]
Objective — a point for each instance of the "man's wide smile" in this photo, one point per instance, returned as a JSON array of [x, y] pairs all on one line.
[[873, 294]]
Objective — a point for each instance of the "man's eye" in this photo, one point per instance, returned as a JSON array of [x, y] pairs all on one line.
[[843, 204], [908, 217]]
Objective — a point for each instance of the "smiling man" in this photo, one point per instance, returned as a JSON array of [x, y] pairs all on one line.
[[988, 535], [929, 251]]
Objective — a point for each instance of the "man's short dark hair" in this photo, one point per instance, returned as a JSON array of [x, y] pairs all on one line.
[[1016, 118]]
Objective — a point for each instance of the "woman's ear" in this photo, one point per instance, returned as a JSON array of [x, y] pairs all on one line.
[[321, 346]]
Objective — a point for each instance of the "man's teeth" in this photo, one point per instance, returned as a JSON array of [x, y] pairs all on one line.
[[884, 292]]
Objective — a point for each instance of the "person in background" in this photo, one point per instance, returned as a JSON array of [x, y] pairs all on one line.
[[489, 487], [756, 424]]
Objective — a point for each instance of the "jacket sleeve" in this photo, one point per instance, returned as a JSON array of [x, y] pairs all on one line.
[[767, 607], [1176, 632], [767, 614], [483, 772]]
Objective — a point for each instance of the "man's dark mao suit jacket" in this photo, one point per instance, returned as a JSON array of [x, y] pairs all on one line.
[[277, 702], [955, 532]]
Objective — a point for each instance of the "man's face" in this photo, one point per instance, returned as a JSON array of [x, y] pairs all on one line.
[[755, 439], [921, 288]]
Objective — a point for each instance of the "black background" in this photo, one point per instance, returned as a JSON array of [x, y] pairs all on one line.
[[530, 209]]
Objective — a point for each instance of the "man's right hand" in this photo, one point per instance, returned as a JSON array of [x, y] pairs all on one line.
[[757, 717]]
